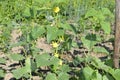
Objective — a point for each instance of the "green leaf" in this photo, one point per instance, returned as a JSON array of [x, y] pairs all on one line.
[[42, 1], [20, 43], [33, 65], [89, 40], [2, 60], [28, 64], [109, 62], [75, 44], [27, 75], [33, 11], [91, 12], [59, 1], [99, 76], [37, 32], [18, 73], [54, 61], [43, 60], [105, 77], [53, 33], [106, 27], [108, 77], [84, 41], [106, 11], [68, 27], [116, 74], [16, 57], [28, 39], [26, 12], [100, 16], [51, 76], [65, 68], [100, 50], [78, 60], [86, 73], [87, 43], [2, 73], [60, 32], [98, 37], [63, 76], [96, 76], [111, 71], [0, 17], [100, 65]]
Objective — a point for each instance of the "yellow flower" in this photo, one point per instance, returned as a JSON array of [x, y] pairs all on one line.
[[56, 55], [55, 44], [56, 9], [60, 62]]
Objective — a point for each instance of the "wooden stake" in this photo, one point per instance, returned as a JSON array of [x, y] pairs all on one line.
[[117, 35]]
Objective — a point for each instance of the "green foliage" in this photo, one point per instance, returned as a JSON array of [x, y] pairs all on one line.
[[65, 68], [43, 60], [97, 70], [76, 25], [116, 74], [86, 73], [20, 72], [96, 76], [37, 32], [2, 73], [100, 50], [16, 57], [100, 17], [53, 33], [106, 27], [2, 60], [90, 40], [28, 64], [26, 12], [62, 76], [51, 76]]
